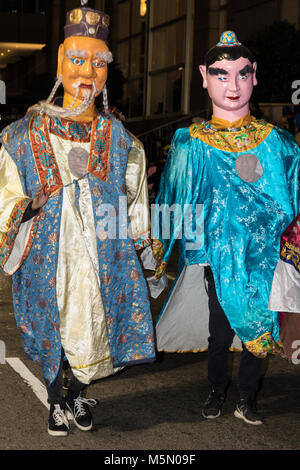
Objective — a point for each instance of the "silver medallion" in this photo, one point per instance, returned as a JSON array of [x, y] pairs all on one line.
[[249, 168], [78, 161]]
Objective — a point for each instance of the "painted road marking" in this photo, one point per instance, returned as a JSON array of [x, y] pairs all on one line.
[[35, 384]]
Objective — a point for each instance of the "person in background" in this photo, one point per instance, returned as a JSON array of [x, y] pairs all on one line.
[[285, 292]]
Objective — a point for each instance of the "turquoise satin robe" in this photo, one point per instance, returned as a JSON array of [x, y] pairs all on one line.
[[242, 222]]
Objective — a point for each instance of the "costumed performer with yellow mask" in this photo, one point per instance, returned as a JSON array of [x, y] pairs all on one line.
[[73, 211]]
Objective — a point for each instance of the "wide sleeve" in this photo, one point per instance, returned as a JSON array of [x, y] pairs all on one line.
[[291, 153], [293, 178], [175, 195], [285, 291], [15, 237], [137, 195]]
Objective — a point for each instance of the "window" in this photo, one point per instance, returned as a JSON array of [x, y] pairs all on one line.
[[123, 57], [167, 59], [137, 56], [28, 6], [42, 7], [133, 98], [152, 54], [124, 20], [168, 45], [131, 54], [23, 6], [167, 10], [10, 6], [166, 90]]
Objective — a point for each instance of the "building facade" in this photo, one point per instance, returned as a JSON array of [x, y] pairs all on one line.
[[157, 45]]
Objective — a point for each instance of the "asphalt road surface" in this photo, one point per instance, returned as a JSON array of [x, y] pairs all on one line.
[[153, 407]]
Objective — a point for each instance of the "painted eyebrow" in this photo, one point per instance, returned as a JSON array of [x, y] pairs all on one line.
[[76, 53], [247, 69], [107, 56], [216, 71]]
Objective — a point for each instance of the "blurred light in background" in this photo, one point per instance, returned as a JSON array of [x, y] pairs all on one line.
[[143, 7]]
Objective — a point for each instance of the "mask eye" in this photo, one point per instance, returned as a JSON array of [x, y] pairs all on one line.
[[244, 77], [77, 61], [221, 78], [98, 63]]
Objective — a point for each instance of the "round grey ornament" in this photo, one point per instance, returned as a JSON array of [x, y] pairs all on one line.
[[249, 168], [78, 161]]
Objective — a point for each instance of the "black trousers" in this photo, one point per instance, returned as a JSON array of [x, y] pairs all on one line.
[[55, 389], [219, 342]]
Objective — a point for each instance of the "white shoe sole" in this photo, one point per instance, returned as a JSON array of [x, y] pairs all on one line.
[[211, 416], [57, 433], [70, 416], [239, 415]]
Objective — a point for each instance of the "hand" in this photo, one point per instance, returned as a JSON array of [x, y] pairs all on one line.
[[40, 198]]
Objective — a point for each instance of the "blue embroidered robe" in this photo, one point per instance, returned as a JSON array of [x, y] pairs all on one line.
[[123, 288]]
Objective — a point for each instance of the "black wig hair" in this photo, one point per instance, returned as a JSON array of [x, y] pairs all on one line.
[[228, 53]]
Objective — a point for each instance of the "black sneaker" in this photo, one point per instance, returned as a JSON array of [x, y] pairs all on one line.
[[79, 409], [58, 424], [246, 410], [213, 405]]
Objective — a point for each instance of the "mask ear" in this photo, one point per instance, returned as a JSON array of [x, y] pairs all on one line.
[[61, 52], [203, 72], [254, 75]]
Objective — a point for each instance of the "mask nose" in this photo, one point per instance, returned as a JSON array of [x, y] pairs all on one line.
[[234, 85], [87, 69]]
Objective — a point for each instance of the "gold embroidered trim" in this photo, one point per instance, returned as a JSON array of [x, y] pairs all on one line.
[[263, 345], [160, 270], [11, 230], [157, 249], [292, 247], [291, 254], [183, 351], [239, 141], [93, 364]]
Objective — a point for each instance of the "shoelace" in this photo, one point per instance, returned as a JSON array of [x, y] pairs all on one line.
[[214, 398], [79, 405], [59, 416], [250, 405]]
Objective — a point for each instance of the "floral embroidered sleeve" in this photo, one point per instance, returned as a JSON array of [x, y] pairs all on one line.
[[16, 234]]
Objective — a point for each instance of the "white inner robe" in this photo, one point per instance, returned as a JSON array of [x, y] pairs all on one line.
[[82, 319]]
